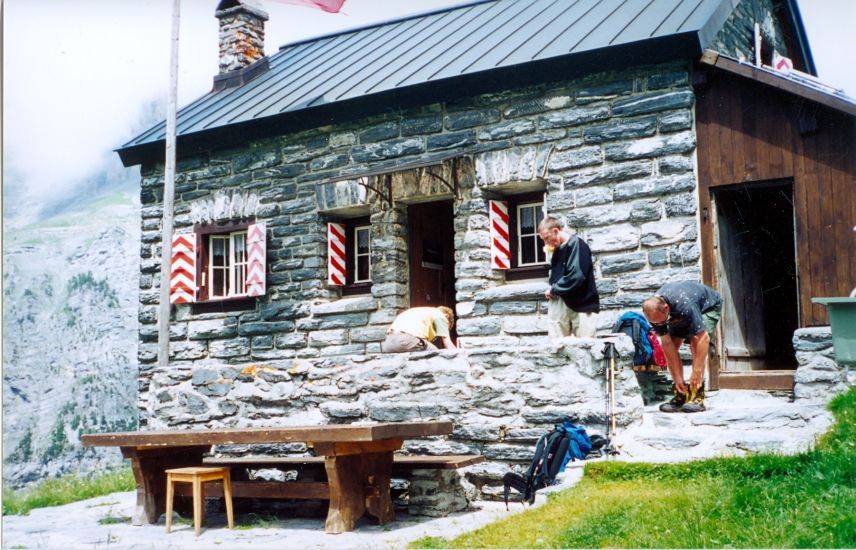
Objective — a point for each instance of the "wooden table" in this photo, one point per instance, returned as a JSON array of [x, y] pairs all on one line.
[[358, 459]]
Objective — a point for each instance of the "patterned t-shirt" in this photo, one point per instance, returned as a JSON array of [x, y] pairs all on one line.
[[687, 300]]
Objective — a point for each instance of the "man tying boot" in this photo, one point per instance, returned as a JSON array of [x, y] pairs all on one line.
[[678, 311]]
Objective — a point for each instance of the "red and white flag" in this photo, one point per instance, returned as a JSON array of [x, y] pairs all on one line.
[[330, 6], [782, 63]]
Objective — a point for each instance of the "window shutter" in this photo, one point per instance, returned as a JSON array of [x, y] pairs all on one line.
[[500, 255], [256, 259], [336, 254], [182, 280]]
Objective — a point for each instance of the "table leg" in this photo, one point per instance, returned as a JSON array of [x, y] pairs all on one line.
[[346, 477], [148, 466], [378, 469]]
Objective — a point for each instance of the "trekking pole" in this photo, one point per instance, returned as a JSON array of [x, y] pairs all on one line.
[[610, 353]]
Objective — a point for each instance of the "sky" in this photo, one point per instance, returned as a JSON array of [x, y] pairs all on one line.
[[81, 76]]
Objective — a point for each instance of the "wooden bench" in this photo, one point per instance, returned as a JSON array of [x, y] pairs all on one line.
[[313, 467], [242, 488]]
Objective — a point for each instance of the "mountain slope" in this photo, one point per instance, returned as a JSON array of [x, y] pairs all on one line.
[[70, 336]]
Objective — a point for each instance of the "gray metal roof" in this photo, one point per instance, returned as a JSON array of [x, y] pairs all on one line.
[[466, 40]]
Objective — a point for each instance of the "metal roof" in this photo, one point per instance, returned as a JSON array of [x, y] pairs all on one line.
[[469, 40]]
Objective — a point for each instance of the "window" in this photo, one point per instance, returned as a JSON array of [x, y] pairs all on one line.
[[530, 247], [528, 258], [224, 266], [358, 262], [362, 268], [227, 265]]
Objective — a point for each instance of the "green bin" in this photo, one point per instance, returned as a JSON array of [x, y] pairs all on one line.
[[842, 319]]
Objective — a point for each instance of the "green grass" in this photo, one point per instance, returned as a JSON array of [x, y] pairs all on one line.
[[760, 501], [112, 520], [252, 521], [54, 492]]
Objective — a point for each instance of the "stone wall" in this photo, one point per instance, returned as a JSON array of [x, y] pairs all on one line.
[[818, 375], [500, 400], [613, 151], [737, 36]]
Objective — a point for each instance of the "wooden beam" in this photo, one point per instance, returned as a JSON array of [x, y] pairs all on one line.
[[400, 462], [299, 490], [758, 380]]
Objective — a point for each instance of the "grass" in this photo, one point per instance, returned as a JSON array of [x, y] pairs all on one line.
[[112, 520], [759, 501], [252, 521], [71, 488]]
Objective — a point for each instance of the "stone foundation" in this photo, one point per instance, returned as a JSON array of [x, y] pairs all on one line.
[[500, 399], [818, 375]]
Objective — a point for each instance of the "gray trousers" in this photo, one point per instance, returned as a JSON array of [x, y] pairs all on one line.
[[400, 342]]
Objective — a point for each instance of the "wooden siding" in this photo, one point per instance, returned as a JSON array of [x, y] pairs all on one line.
[[749, 132]]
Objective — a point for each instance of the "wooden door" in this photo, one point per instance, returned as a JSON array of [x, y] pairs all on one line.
[[432, 254]]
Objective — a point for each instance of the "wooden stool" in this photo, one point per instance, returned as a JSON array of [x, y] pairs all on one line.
[[197, 475]]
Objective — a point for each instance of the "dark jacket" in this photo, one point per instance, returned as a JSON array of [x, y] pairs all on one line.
[[572, 276]]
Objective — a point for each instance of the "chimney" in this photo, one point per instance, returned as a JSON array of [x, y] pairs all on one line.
[[242, 34]]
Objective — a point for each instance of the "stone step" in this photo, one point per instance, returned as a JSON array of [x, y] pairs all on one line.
[[736, 423]]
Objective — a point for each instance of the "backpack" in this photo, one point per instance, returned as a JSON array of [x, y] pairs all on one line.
[[564, 443], [646, 345]]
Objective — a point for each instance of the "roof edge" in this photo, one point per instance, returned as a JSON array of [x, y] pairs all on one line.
[[384, 22], [802, 37], [781, 82]]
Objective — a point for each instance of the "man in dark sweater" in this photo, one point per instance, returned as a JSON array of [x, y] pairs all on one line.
[[573, 299], [684, 310]]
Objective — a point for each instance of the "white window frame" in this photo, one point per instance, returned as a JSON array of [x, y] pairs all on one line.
[[519, 235], [234, 266], [357, 255]]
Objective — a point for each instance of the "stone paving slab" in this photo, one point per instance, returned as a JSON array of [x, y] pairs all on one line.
[[735, 424], [77, 525]]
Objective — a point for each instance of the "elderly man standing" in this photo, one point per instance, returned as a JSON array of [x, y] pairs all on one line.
[[573, 298], [417, 328], [679, 311]]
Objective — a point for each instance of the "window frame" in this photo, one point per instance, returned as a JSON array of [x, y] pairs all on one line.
[[353, 286], [204, 302], [517, 272]]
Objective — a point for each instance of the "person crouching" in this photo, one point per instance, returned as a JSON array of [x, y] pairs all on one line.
[[418, 328]]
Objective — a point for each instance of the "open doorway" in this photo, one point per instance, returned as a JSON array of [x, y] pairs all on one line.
[[757, 275], [432, 254]]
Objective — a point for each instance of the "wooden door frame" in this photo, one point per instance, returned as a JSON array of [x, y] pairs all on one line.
[[768, 379]]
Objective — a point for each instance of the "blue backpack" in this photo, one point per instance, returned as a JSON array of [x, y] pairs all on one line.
[[564, 443], [636, 327]]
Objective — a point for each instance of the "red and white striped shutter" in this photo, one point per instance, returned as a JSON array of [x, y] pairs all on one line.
[[182, 281], [500, 255], [336, 254], [256, 259]]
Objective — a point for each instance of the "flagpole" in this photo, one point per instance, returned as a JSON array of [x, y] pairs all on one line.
[[168, 192]]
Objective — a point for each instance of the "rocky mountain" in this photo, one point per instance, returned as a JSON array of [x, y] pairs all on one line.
[[70, 289]]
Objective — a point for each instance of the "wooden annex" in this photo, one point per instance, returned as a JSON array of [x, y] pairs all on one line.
[[759, 131]]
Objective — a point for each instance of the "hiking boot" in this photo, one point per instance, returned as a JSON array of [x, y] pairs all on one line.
[[695, 403], [675, 404]]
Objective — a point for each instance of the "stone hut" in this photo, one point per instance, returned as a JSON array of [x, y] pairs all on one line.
[[639, 124]]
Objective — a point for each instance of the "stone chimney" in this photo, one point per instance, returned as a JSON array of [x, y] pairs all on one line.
[[242, 33]]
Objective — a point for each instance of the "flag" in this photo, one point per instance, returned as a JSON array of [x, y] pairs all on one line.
[[330, 6], [782, 63]]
